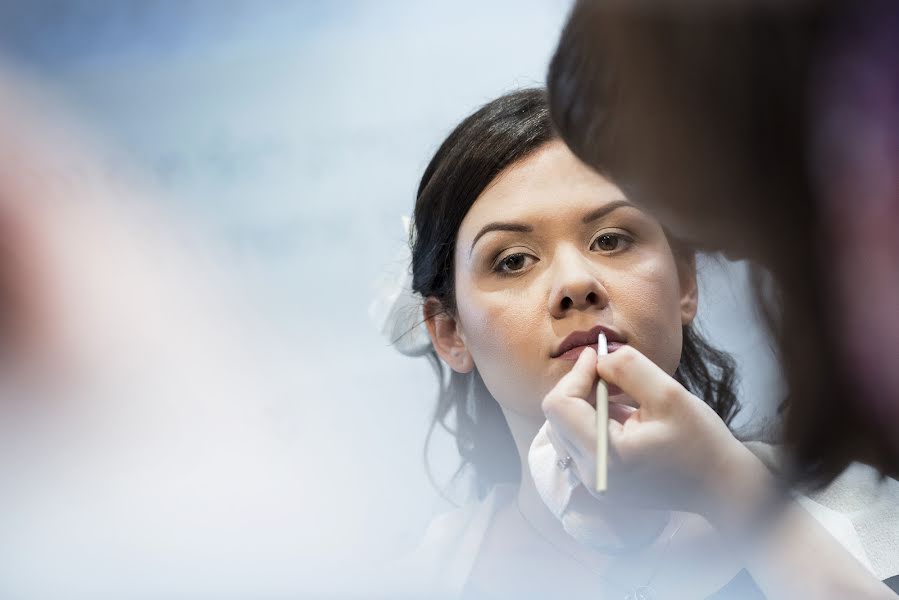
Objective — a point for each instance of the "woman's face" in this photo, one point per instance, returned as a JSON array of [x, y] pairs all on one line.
[[551, 249]]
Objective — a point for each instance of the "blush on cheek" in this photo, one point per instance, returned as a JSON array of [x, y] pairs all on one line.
[[500, 335], [651, 311]]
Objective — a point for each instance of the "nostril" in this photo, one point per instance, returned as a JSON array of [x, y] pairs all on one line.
[[566, 303], [592, 298]]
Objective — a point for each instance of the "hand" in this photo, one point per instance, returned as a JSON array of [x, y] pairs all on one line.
[[672, 453]]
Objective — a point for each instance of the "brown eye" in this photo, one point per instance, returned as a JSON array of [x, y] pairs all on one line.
[[607, 242], [513, 263]]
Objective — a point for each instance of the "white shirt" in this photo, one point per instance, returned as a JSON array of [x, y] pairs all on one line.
[[858, 509]]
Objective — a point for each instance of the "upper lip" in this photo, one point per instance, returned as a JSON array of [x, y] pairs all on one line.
[[587, 338]]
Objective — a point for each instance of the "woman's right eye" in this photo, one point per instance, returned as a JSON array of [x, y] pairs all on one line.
[[513, 263]]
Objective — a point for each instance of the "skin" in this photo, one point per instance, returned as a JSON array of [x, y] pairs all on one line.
[[519, 294]]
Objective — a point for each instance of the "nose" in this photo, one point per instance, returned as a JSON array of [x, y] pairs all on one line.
[[576, 285]]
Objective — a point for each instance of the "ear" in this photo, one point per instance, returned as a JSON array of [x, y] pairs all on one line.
[[447, 336], [689, 288]]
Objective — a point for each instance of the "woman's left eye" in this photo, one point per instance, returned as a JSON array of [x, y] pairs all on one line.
[[610, 242]]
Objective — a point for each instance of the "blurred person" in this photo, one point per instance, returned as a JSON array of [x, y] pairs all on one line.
[[768, 131], [137, 454], [520, 254]]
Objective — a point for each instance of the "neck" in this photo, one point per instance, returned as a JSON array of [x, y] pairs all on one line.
[[622, 527]]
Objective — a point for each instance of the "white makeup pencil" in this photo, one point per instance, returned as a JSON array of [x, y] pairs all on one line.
[[602, 423]]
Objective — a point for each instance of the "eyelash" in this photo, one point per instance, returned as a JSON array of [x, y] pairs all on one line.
[[621, 237], [498, 266]]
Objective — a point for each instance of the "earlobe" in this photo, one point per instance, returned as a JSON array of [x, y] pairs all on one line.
[[688, 306], [689, 300], [447, 337], [462, 362]]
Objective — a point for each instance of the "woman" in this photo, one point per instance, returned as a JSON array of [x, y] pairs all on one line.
[[521, 255]]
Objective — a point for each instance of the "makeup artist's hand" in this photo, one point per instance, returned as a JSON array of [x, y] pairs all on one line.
[[674, 452]]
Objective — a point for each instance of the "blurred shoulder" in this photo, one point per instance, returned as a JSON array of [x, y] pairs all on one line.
[[860, 508], [441, 563]]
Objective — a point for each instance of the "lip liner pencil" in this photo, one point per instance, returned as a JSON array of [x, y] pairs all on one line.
[[602, 423]]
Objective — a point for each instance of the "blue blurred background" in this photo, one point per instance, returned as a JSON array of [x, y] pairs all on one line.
[[291, 136]]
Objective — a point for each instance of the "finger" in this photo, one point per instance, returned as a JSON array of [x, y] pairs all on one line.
[[569, 416], [578, 382], [638, 377], [581, 447], [555, 442], [617, 441], [574, 426], [561, 448]]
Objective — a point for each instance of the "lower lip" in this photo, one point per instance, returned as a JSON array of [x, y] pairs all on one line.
[[575, 352]]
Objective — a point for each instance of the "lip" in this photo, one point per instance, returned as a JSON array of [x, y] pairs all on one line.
[[572, 346]]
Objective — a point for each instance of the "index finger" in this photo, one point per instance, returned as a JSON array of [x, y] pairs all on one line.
[[578, 382], [638, 377]]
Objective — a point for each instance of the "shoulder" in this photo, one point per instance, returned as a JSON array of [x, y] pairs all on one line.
[[868, 504], [441, 563], [859, 508]]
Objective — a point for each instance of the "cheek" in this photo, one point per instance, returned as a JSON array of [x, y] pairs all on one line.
[[499, 329], [496, 325], [650, 306]]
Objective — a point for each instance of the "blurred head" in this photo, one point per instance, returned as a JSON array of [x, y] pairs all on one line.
[[517, 246], [705, 112], [679, 103]]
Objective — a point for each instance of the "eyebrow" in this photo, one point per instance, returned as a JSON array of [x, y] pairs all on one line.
[[595, 215], [591, 216], [500, 227]]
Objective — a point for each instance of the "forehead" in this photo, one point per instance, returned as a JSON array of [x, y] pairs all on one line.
[[549, 184]]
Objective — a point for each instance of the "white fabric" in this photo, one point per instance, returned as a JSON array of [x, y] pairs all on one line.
[[396, 309], [442, 563], [858, 509], [556, 486]]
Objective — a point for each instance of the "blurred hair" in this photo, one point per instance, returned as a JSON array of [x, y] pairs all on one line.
[[707, 104], [495, 137]]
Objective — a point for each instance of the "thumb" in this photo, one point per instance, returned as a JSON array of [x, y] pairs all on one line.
[[638, 377]]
